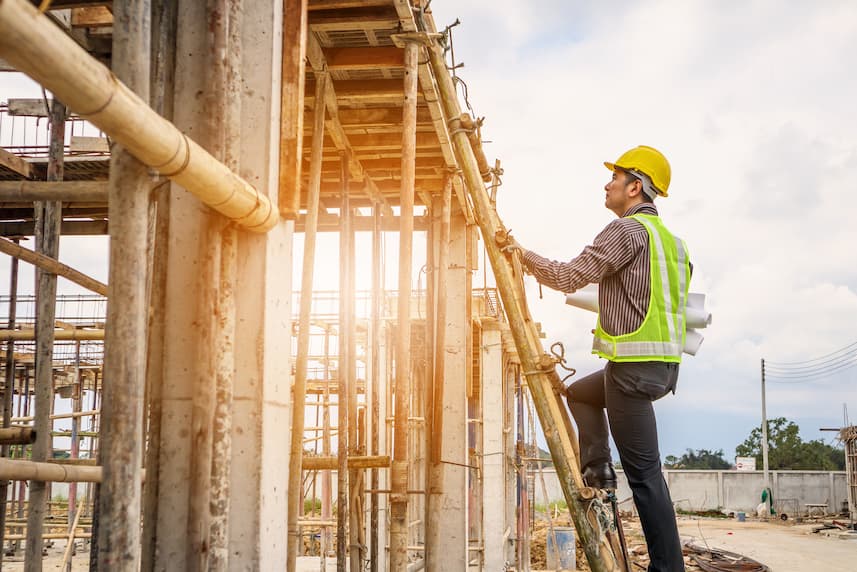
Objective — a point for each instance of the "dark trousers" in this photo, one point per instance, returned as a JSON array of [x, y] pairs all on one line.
[[626, 391]]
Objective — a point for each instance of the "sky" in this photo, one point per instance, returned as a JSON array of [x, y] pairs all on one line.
[[752, 103]]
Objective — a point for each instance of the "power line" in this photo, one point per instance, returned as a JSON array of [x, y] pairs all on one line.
[[850, 349]]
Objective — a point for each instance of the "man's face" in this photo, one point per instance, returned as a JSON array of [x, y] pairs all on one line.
[[617, 189]]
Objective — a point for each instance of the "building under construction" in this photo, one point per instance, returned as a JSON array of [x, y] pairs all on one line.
[[221, 412]]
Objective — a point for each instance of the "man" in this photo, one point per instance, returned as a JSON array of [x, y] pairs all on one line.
[[643, 272]]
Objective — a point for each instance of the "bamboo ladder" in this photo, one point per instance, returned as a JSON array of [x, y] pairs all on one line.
[[600, 541]]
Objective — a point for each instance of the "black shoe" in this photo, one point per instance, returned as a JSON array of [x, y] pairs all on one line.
[[600, 476]]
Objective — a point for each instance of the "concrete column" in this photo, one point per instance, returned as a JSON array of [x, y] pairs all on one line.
[[494, 500], [446, 532], [258, 487]]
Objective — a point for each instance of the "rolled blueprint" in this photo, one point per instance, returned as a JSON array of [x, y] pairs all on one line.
[[697, 316]]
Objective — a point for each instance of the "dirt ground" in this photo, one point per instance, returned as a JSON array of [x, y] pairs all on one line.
[[782, 546]]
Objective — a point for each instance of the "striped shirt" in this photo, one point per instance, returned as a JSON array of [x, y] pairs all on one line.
[[617, 260]]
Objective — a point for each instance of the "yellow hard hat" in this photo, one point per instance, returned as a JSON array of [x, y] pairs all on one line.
[[647, 161]]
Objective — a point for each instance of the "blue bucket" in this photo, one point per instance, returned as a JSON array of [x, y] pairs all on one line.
[[742, 517], [561, 556]]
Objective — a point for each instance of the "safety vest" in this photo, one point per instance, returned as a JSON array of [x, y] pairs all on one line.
[[661, 335]]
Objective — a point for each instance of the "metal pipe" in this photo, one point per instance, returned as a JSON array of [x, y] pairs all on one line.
[[51, 265], [121, 449], [299, 387], [49, 219], [399, 498], [32, 44]]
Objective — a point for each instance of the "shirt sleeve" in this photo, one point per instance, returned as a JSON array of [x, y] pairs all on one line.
[[609, 252]]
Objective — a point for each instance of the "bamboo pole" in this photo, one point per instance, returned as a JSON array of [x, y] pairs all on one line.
[[20, 435], [66, 191], [51, 265], [399, 497], [69, 547], [162, 82], [326, 477], [48, 221], [121, 449], [541, 374], [33, 45], [299, 387], [374, 382], [331, 462], [346, 333], [355, 481], [292, 106], [440, 335], [75, 439], [8, 391], [59, 335], [20, 470]]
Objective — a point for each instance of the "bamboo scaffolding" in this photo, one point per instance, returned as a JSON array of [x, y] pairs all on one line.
[[121, 448], [299, 387], [66, 191], [50, 264], [48, 220], [541, 375], [374, 382], [346, 333], [331, 463], [59, 335], [69, 547], [17, 435], [399, 476], [20, 470], [8, 390], [33, 45], [162, 81]]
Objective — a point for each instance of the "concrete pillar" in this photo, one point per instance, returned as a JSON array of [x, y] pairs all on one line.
[[497, 550], [446, 533], [258, 486]]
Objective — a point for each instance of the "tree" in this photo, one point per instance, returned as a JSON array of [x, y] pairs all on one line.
[[786, 450], [701, 459]]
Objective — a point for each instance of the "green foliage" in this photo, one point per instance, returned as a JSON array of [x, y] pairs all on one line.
[[786, 450], [698, 459]]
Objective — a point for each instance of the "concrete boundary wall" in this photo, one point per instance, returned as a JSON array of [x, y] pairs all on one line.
[[732, 490]]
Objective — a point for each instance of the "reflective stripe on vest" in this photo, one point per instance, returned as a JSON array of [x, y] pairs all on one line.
[[661, 335]]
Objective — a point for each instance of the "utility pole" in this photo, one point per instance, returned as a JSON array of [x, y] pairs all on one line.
[[765, 441]]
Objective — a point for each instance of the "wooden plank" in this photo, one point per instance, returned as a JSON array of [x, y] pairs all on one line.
[[82, 144], [379, 116], [346, 59], [376, 141], [28, 107], [378, 18], [91, 17], [291, 106], [315, 5], [65, 4], [362, 90], [15, 163], [69, 228]]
